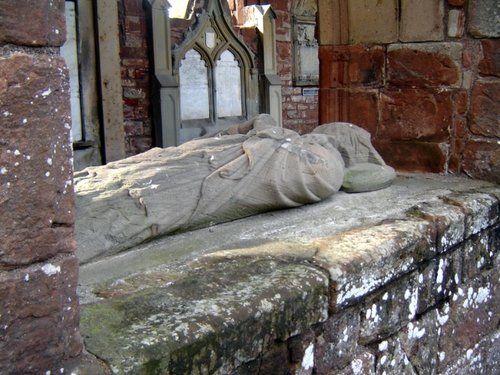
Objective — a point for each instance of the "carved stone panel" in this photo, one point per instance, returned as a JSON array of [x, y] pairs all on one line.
[[193, 77], [228, 85], [306, 62]]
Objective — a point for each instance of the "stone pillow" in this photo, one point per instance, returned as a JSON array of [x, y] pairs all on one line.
[[365, 177]]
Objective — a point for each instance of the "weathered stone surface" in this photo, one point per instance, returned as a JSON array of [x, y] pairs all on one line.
[[481, 210], [367, 177], [410, 304], [39, 316], [484, 18], [472, 313], [17, 24], [356, 106], [448, 219], [483, 358], [485, 111], [372, 22], [421, 21], [387, 311], [490, 63], [456, 23], [482, 160], [36, 192], [392, 359], [214, 319], [413, 155], [352, 65], [425, 65], [337, 343], [479, 254], [364, 363], [360, 261], [401, 119], [420, 340]]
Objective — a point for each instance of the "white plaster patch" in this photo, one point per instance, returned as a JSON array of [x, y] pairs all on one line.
[[3, 170], [50, 269], [49, 161], [308, 359]]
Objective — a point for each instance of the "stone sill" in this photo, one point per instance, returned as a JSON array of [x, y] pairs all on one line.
[[214, 299]]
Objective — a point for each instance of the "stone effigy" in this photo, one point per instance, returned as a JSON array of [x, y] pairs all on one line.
[[247, 169]]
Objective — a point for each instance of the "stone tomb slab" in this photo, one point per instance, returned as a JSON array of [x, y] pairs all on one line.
[[212, 300]]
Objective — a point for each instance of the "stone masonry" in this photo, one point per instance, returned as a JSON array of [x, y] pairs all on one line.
[[323, 289], [421, 76], [39, 310]]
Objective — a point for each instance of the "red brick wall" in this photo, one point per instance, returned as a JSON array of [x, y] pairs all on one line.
[[430, 106], [135, 73], [300, 112], [39, 310]]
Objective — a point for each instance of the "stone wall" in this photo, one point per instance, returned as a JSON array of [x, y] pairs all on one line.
[[39, 309], [136, 76], [422, 76], [300, 112], [412, 289]]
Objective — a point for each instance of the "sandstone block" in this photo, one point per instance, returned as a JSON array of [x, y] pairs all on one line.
[[448, 219], [363, 363], [18, 24], [389, 310], [484, 18], [485, 111], [456, 23], [373, 21], [392, 358], [36, 197], [419, 340], [359, 66], [338, 344], [413, 155], [481, 210], [40, 313], [471, 314], [356, 106], [421, 21], [482, 160], [402, 119], [490, 64], [482, 358], [478, 255], [425, 65]]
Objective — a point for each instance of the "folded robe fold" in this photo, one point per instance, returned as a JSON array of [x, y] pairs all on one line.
[[202, 182]]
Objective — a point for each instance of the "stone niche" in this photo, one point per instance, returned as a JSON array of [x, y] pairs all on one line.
[[207, 81], [305, 44]]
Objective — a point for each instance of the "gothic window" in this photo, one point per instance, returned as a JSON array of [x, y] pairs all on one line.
[[208, 95]]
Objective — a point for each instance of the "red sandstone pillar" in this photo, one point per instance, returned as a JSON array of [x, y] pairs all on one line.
[[39, 310]]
